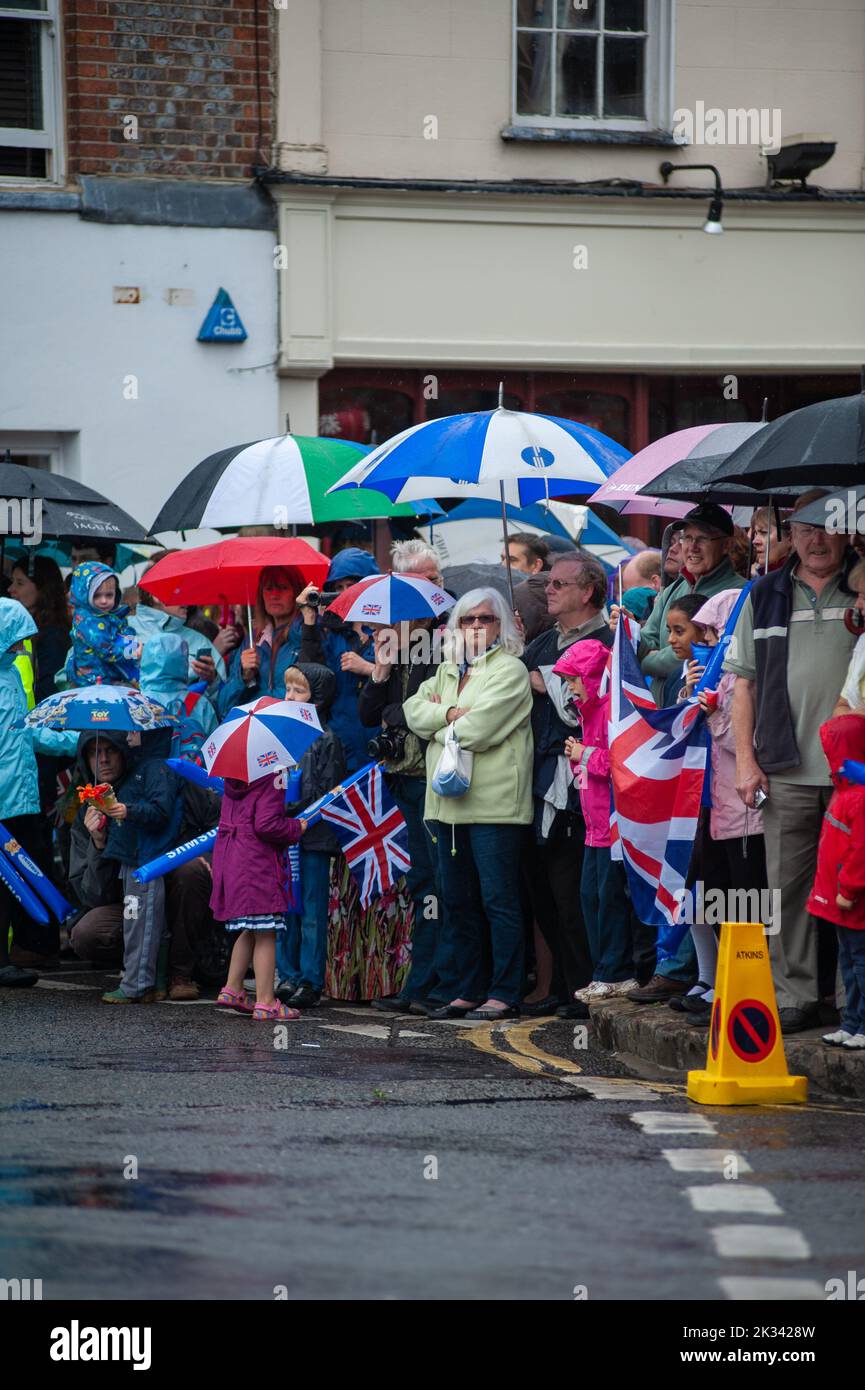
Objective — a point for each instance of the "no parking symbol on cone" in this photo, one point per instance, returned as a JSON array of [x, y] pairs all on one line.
[[745, 1063]]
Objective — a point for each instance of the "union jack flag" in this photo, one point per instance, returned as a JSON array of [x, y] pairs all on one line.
[[373, 835], [658, 764], [267, 759], [306, 714]]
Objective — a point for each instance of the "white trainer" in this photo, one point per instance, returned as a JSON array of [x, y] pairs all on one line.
[[598, 989], [623, 987], [856, 1043], [837, 1039]]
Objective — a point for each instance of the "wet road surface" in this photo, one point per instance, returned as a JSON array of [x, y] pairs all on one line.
[[352, 1155]]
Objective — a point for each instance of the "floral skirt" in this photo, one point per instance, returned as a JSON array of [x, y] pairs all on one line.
[[368, 952], [268, 921]]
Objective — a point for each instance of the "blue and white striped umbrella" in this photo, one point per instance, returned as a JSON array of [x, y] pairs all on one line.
[[533, 456]]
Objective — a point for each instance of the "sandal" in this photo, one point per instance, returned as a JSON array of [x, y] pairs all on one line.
[[277, 1012], [238, 1001]]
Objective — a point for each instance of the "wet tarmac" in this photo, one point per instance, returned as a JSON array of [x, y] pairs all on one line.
[[175, 1152]]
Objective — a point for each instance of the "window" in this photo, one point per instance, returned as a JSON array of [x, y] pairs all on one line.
[[29, 90], [602, 64]]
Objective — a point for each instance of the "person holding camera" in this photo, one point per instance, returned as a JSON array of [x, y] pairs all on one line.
[[403, 660]]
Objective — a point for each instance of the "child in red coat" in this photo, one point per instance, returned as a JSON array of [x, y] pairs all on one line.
[[838, 895]]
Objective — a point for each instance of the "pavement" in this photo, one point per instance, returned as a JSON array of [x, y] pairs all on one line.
[[173, 1151], [655, 1033]]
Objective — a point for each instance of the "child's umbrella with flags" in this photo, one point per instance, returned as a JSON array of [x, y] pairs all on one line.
[[261, 738]]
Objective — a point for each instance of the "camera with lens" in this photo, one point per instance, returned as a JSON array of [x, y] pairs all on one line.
[[388, 745]]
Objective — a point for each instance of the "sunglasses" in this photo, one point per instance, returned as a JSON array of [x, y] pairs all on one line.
[[563, 583], [487, 619]]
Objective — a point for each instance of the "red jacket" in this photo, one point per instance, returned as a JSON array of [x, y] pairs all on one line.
[[841, 853]]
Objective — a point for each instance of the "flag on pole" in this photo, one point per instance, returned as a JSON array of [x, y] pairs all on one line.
[[373, 834], [658, 763]]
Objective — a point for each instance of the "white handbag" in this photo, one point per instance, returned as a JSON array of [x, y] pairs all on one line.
[[453, 775]]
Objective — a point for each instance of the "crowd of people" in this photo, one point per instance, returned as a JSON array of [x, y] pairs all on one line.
[[514, 902]]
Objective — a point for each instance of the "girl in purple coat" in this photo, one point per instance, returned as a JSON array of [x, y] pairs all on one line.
[[250, 885]]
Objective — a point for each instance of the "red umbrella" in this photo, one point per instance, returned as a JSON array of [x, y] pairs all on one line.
[[229, 571]]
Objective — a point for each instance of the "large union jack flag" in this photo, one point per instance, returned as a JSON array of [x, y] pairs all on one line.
[[658, 764], [373, 834]]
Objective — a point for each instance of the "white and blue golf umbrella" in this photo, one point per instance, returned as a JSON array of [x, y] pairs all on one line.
[[510, 455]]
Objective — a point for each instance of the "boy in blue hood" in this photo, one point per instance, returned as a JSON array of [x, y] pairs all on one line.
[[104, 647]]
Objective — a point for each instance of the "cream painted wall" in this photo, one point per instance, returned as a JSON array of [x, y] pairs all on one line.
[[384, 65], [426, 280]]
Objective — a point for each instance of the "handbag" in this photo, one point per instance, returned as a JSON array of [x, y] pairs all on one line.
[[453, 775]]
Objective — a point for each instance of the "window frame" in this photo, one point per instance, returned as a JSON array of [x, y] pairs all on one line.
[[660, 22], [48, 138]]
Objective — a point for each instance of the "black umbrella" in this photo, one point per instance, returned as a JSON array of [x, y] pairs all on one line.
[[459, 579], [841, 511], [691, 481], [59, 508], [819, 445]]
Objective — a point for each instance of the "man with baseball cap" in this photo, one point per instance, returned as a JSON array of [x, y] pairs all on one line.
[[706, 569]]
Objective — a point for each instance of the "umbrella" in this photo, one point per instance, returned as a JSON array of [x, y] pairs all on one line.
[[276, 482], [629, 491], [839, 511], [390, 598], [459, 579], [484, 453], [60, 507], [509, 454], [258, 739], [100, 707], [229, 571], [819, 445], [691, 481]]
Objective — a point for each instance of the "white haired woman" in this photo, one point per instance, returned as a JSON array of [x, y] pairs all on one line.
[[483, 688]]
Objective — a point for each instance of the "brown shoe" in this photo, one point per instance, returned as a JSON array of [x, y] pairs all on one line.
[[657, 991], [180, 989]]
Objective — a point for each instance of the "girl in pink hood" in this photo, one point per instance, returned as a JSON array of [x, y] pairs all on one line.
[[606, 906], [728, 849]]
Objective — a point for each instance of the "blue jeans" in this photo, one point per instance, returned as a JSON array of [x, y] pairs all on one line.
[[607, 914], [851, 959], [483, 914], [301, 950], [422, 882], [683, 965]]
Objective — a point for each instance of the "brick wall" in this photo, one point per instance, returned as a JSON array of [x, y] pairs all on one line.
[[197, 77]]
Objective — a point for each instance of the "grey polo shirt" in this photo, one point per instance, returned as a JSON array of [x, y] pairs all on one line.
[[818, 654]]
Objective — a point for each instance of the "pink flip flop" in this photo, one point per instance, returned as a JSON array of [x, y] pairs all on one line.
[[236, 1001], [276, 1012]]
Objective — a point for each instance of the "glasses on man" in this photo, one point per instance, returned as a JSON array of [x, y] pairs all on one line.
[[485, 619], [563, 583], [697, 542]]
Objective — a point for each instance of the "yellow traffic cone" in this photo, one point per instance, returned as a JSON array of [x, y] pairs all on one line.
[[745, 1063]]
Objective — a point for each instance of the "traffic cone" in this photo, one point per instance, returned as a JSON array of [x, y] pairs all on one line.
[[745, 1063]]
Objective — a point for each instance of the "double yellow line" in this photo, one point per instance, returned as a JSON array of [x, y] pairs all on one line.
[[520, 1051]]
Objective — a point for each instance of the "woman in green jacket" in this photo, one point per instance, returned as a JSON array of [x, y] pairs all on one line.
[[482, 688]]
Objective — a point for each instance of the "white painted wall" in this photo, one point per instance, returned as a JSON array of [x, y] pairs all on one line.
[[65, 348]]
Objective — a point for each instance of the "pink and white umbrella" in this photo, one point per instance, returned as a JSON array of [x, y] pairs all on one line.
[[390, 598], [699, 441], [257, 739]]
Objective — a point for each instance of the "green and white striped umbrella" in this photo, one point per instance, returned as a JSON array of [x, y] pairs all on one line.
[[278, 482]]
